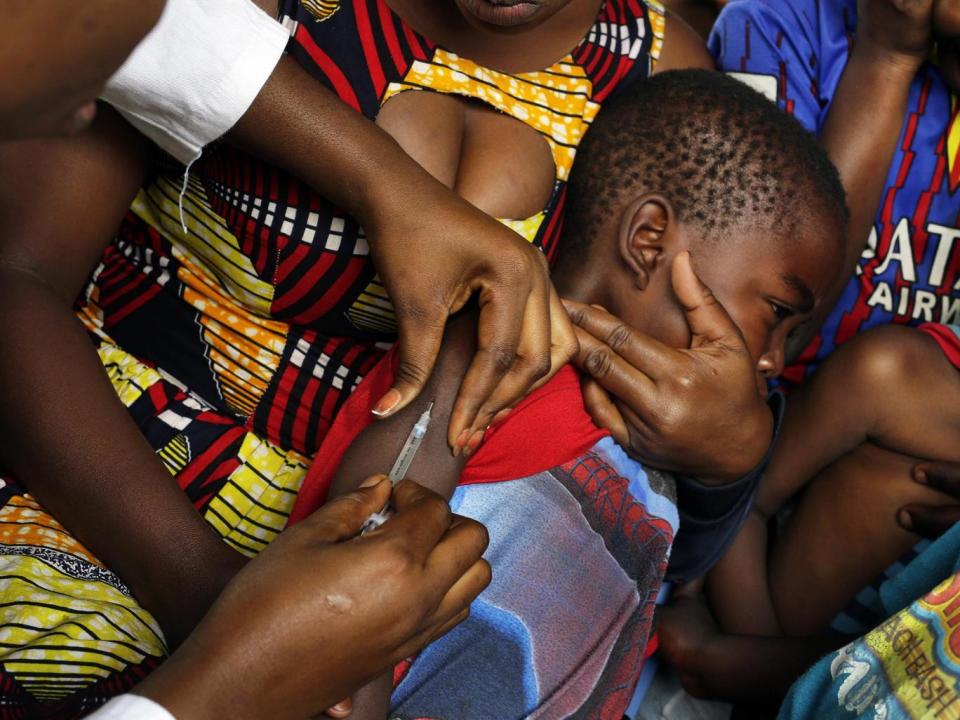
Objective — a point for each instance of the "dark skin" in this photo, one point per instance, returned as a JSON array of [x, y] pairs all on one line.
[[196, 565], [335, 633], [859, 136], [914, 415], [891, 386], [498, 164], [640, 266], [53, 93], [41, 279], [699, 13], [857, 447], [307, 130], [674, 439]]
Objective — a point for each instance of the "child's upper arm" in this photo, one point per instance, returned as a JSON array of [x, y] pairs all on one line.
[[376, 448]]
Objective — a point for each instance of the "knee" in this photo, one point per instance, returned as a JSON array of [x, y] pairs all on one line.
[[884, 357]]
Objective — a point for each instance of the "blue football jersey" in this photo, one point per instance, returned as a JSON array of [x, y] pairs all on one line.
[[795, 52]]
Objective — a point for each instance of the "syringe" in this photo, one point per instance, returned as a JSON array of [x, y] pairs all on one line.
[[400, 467]]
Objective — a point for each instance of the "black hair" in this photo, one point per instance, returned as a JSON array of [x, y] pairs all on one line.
[[718, 150]]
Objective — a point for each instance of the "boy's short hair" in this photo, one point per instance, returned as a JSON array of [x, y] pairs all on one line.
[[719, 151]]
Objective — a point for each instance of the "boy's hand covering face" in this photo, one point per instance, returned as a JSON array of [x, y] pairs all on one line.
[[699, 410]]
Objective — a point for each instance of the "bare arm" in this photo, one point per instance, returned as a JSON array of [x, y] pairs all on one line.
[[862, 127], [524, 335], [738, 587], [434, 466], [69, 440], [682, 47], [744, 669], [892, 387]]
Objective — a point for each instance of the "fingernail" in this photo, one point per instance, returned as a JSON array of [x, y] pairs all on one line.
[[921, 477], [500, 416], [474, 442], [83, 116], [387, 403], [461, 441], [906, 522], [372, 480]]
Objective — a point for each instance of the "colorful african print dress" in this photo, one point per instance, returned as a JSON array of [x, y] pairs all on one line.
[[234, 322]]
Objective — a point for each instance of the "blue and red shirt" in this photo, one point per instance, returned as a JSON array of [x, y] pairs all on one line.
[[909, 273]]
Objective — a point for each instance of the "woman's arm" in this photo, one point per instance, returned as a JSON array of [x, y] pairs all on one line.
[[68, 439], [523, 334]]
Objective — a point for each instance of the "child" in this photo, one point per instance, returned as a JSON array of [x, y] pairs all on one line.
[[896, 388], [698, 166]]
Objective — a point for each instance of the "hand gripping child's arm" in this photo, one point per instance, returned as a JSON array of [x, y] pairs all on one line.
[[434, 465]]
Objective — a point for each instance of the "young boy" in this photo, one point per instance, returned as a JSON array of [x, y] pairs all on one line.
[[696, 169], [896, 388]]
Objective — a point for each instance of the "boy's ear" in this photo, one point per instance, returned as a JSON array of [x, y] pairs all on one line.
[[643, 228]]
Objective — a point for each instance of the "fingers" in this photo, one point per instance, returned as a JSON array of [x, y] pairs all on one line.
[[644, 353], [341, 710], [457, 553], [422, 518], [603, 411], [928, 520], [708, 320], [435, 631], [534, 362], [617, 376], [943, 476], [420, 334], [342, 518], [464, 591], [498, 339]]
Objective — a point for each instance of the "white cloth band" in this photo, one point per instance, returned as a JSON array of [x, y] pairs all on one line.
[[197, 72]]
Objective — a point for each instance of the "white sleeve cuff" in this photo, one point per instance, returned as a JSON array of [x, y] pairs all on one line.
[[197, 72], [131, 707]]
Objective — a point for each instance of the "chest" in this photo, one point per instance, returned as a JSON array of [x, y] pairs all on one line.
[[503, 140], [491, 159]]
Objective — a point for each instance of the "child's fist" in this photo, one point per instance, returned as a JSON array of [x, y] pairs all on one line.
[[901, 28]]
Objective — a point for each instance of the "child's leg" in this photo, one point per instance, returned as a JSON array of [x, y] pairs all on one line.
[[894, 392], [860, 393]]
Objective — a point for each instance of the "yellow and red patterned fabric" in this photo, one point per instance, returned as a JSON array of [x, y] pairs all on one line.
[[235, 319]]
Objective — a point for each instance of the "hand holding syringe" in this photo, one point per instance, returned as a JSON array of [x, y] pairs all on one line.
[[400, 467]]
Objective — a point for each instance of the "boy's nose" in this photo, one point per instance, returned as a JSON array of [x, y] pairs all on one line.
[[770, 364]]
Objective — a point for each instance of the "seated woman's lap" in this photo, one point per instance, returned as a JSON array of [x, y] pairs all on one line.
[[70, 630]]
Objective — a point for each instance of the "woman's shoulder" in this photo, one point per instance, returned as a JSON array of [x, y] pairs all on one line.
[[682, 47]]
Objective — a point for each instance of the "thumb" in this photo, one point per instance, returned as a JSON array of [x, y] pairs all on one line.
[[930, 521], [706, 317], [341, 519], [418, 344]]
